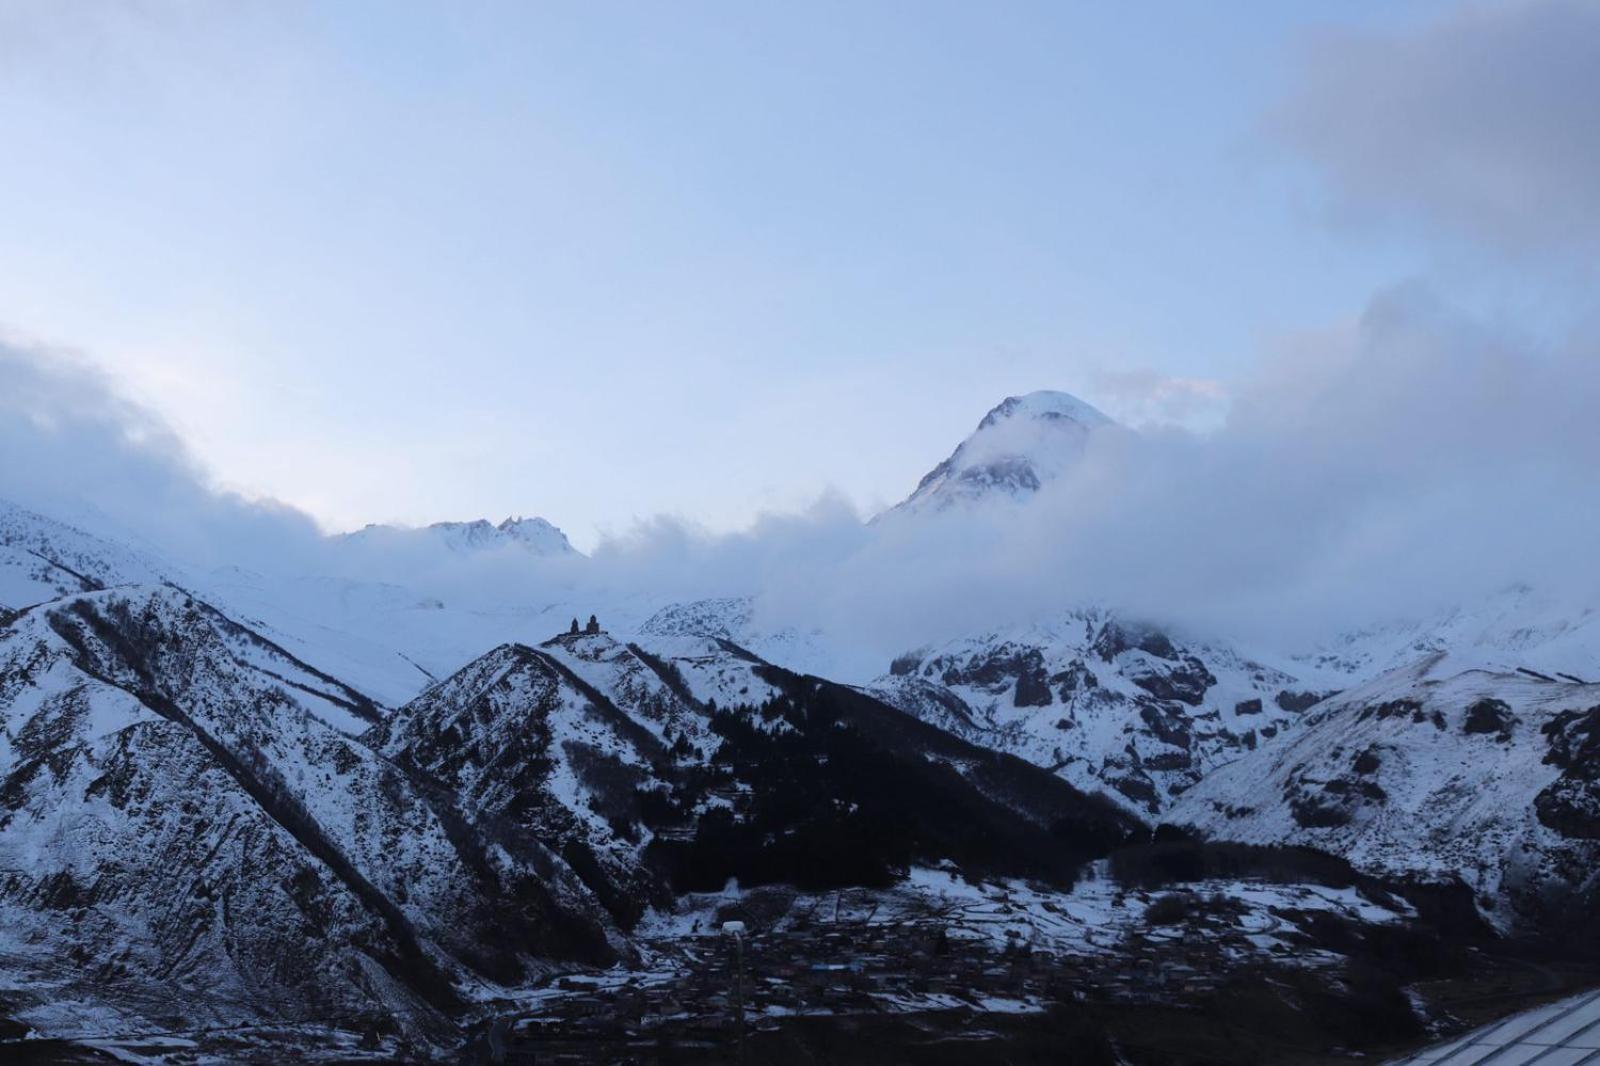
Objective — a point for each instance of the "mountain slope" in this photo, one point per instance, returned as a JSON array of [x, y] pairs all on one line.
[[193, 796], [538, 763], [1515, 628], [1024, 442], [197, 825], [1104, 703], [736, 619], [1434, 770], [650, 770], [42, 559]]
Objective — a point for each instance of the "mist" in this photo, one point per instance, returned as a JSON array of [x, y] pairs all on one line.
[[1425, 452], [1413, 459], [75, 448]]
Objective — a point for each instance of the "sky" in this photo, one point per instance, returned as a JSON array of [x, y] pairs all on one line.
[[709, 286], [412, 262]]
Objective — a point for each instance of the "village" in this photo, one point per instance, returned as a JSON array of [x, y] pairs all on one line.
[[732, 970]]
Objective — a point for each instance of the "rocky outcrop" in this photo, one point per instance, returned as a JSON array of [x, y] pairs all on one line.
[[1570, 805], [1104, 703], [1437, 772]]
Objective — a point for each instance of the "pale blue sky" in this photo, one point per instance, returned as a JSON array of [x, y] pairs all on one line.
[[421, 261]]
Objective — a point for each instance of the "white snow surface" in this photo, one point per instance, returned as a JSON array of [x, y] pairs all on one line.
[[738, 619], [1391, 776], [1098, 916], [1108, 705], [535, 535], [42, 559], [1516, 628], [130, 721], [1022, 443]]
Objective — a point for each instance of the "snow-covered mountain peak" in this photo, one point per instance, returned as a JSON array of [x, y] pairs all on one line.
[[1022, 443], [534, 534], [1045, 404], [538, 534]]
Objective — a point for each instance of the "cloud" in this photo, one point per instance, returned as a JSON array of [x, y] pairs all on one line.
[[1484, 123], [71, 445], [1416, 456], [1144, 397], [1419, 456], [1413, 459]]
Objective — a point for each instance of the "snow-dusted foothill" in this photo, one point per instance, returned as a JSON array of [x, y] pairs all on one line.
[[1436, 770], [42, 559], [1108, 704], [198, 801]]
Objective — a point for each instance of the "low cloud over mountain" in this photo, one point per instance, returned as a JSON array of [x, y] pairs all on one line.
[[1412, 457]]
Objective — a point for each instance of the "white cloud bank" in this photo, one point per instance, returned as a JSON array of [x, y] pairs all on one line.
[[1416, 458], [72, 446]]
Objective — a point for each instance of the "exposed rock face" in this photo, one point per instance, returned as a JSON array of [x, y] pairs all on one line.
[[640, 766], [1023, 443], [1427, 770], [1571, 804], [1334, 802], [1298, 701], [1005, 668], [195, 797], [1185, 681], [1103, 703], [1490, 715]]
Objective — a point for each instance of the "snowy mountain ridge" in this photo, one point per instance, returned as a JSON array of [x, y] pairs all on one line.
[[538, 536], [1517, 628], [1103, 702], [231, 844], [328, 793], [1022, 443], [42, 559], [1434, 768]]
